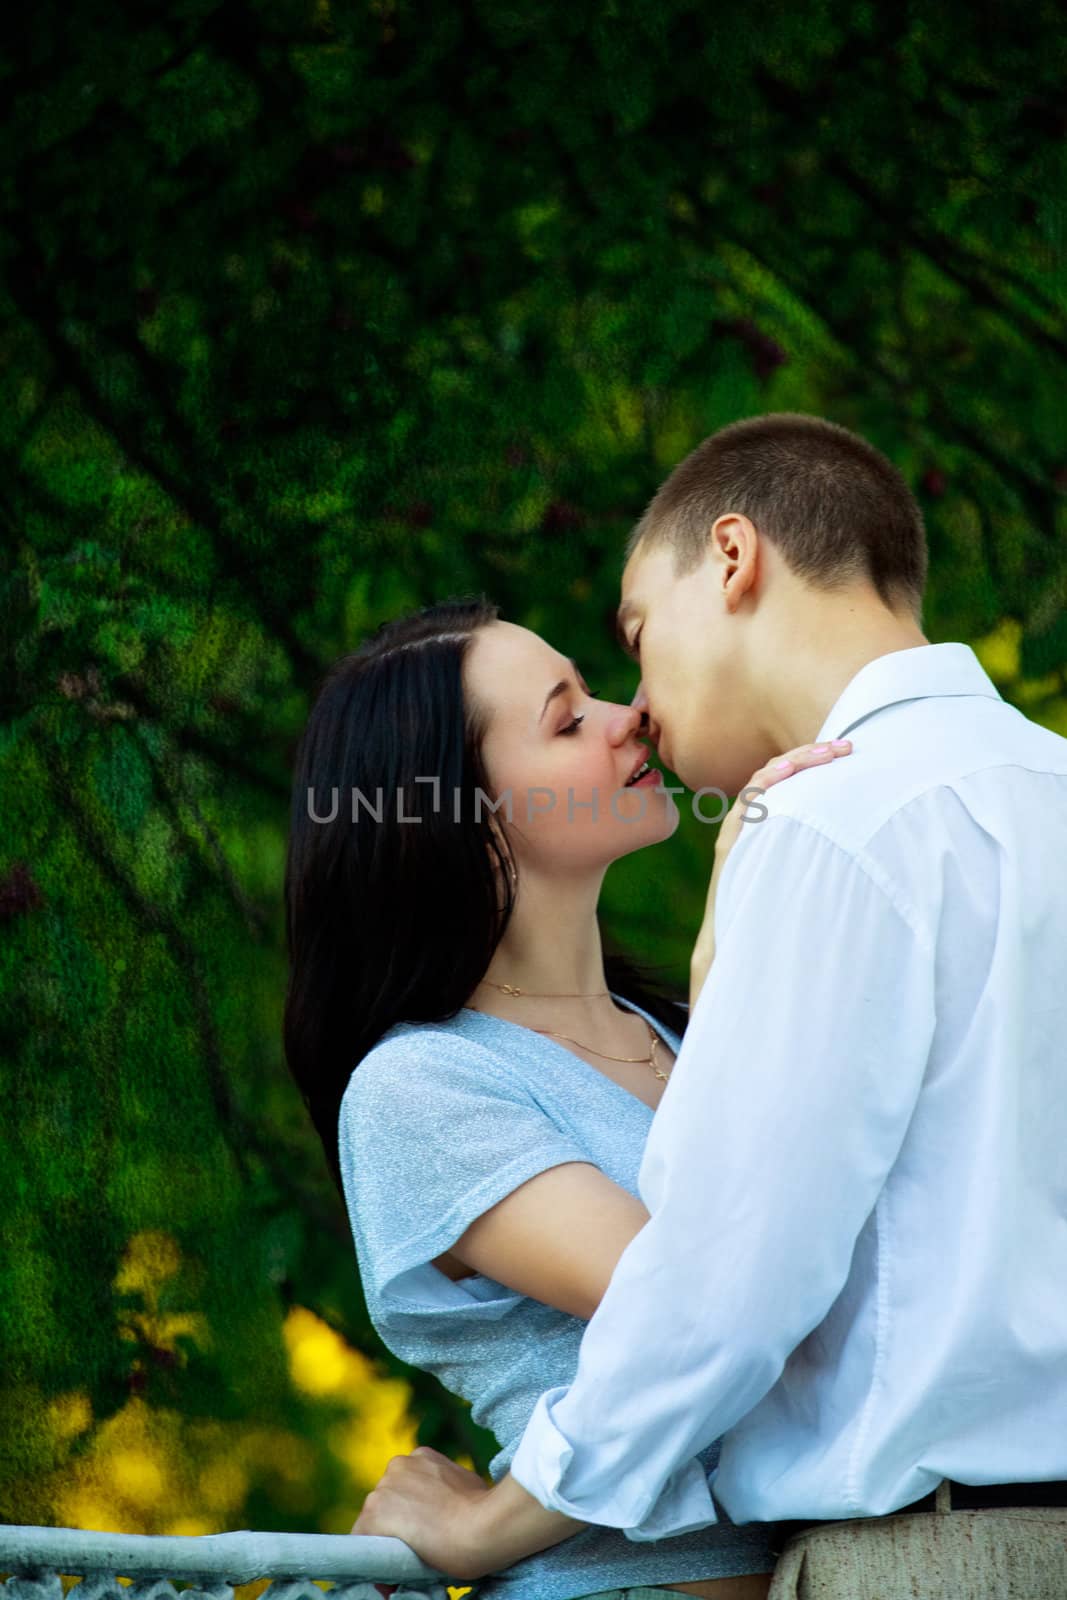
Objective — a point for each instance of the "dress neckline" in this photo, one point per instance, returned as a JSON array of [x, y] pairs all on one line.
[[572, 1055]]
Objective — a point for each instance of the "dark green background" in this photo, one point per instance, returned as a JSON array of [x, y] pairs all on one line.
[[313, 313]]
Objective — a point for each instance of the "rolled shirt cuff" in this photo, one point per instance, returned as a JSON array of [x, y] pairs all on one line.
[[602, 1487]]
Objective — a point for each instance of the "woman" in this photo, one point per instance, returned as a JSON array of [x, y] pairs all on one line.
[[481, 1074]]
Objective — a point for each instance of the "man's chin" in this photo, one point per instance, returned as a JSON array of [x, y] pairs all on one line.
[[723, 771], [701, 774]]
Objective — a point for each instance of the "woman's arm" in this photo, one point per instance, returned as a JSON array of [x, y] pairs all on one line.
[[783, 766], [556, 1238]]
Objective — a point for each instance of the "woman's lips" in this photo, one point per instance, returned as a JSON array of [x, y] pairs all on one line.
[[650, 777]]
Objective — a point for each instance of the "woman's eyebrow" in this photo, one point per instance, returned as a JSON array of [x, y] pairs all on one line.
[[559, 688]]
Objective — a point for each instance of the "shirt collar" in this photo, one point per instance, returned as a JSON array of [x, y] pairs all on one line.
[[912, 674]]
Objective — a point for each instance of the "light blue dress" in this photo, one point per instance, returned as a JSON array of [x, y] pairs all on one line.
[[438, 1122]]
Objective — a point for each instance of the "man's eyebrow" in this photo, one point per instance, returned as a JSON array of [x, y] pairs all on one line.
[[621, 617], [558, 688]]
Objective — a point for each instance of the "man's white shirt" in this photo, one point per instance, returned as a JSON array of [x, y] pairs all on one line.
[[856, 1265]]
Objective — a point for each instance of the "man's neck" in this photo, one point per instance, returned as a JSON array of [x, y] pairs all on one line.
[[803, 680]]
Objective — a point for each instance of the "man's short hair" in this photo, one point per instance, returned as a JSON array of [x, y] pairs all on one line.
[[834, 506]]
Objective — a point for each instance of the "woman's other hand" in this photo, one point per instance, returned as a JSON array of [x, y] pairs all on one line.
[[425, 1499], [783, 766], [455, 1521]]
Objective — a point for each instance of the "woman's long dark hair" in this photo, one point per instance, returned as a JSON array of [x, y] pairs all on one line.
[[391, 920]]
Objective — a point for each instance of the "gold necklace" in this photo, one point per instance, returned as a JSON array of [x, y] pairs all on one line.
[[645, 1061], [509, 988]]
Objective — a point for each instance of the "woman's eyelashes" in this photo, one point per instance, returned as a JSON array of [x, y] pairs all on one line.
[[572, 727]]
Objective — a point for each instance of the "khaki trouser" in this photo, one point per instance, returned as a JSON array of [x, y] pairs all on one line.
[[1009, 1553]]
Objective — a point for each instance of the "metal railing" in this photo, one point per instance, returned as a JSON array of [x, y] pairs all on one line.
[[211, 1563]]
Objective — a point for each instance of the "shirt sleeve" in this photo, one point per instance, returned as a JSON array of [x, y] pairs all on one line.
[[786, 1107], [433, 1131]]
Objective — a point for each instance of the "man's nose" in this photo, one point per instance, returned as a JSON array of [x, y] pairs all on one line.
[[639, 703]]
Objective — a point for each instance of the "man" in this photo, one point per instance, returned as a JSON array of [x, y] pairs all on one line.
[[855, 1265]]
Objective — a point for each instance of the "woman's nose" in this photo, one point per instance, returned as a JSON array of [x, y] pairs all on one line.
[[625, 722]]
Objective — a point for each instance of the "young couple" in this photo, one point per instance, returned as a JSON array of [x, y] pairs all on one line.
[[804, 1246]]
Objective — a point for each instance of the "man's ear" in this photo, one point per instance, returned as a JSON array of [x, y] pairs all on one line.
[[733, 550]]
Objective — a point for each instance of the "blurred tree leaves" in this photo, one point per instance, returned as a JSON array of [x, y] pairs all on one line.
[[316, 312]]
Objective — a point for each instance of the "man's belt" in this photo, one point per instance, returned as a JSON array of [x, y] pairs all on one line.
[[984, 1496], [964, 1497]]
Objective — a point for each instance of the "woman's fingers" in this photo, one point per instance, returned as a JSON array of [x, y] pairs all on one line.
[[804, 755], [765, 777]]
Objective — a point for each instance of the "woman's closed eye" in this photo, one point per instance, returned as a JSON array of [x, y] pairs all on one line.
[[572, 727]]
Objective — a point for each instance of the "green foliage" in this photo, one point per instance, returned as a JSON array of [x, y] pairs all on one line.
[[316, 312]]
